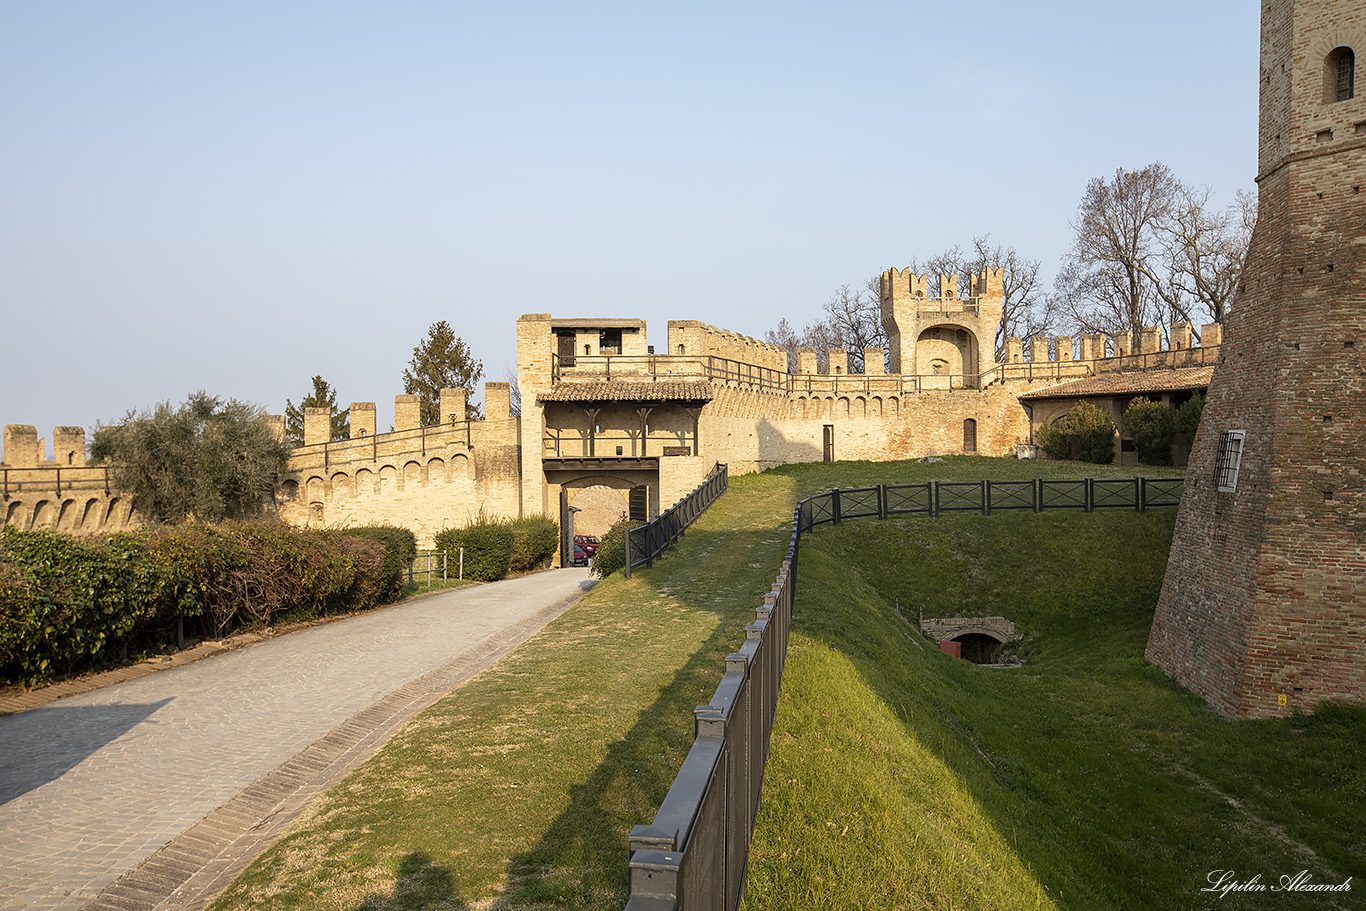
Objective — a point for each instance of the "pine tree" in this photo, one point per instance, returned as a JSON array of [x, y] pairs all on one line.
[[442, 361], [322, 396]]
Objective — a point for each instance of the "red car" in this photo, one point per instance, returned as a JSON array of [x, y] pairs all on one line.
[[584, 548]]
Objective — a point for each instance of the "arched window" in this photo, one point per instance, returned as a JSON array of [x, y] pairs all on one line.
[[680, 350], [1341, 74]]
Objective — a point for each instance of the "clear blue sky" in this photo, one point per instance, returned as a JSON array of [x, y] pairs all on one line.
[[236, 196]]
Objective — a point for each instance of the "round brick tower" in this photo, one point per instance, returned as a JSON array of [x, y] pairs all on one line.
[[1263, 610]]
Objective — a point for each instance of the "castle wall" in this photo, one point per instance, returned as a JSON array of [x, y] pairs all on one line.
[[62, 493]]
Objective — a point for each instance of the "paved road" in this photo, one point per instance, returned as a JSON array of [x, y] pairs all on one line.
[[204, 761]]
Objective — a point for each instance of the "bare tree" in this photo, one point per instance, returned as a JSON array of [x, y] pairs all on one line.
[[1026, 310], [853, 322], [1106, 282], [1203, 251], [1149, 250]]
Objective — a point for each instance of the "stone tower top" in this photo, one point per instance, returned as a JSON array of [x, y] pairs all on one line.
[[1310, 103]]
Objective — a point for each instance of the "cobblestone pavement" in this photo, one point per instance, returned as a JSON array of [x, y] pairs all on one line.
[[153, 792]]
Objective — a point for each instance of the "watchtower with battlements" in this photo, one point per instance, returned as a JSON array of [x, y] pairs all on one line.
[[947, 339], [1263, 609]]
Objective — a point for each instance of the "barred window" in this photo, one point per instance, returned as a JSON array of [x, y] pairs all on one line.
[[1230, 460], [1342, 74]]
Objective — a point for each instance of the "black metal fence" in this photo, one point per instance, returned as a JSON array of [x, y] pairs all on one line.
[[648, 541], [933, 498], [695, 853]]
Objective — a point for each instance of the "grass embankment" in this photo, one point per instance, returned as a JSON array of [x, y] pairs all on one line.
[[903, 778], [525, 782]]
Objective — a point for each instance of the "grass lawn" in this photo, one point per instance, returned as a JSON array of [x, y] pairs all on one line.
[[899, 778]]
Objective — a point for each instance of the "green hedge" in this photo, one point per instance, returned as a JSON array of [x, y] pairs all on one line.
[[488, 548], [71, 604], [1085, 433], [494, 547], [534, 542], [400, 545], [611, 555]]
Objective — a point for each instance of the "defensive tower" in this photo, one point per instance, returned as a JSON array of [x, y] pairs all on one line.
[[1262, 609]]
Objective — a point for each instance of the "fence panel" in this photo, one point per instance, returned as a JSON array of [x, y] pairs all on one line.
[[960, 496], [822, 509], [860, 501], [1162, 491], [1115, 494], [1012, 495], [904, 499], [1064, 495]]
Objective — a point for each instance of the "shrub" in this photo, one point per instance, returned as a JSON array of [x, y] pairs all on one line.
[[1152, 426], [488, 547], [65, 602], [534, 542], [1187, 418], [1053, 440], [1092, 433], [1085, 433], [400, 546], [611, 555]]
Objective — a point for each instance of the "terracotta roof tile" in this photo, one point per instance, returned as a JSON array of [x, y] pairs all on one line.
[[1136, 382], [627, 391]]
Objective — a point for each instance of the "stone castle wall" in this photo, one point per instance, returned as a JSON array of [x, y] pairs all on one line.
[[1263, 608]]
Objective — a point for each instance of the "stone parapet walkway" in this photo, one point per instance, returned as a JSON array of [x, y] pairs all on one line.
[[156, 791]]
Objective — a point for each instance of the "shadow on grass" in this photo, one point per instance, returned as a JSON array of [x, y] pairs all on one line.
[[581, 859], [418, 884]]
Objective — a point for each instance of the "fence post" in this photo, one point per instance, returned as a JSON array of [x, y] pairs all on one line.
[[835, 504], [934, 500], [443, 566], [1088, 496], [1036, 490], [1138, 494], [882, 501], [628, 553], [986, 497], [462, 563]]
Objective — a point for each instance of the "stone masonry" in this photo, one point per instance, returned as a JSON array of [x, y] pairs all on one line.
[[1263, 609]]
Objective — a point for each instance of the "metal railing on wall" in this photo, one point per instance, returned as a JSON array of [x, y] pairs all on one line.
[[935, 498], [695, 853], [50, 477], [648, 541]]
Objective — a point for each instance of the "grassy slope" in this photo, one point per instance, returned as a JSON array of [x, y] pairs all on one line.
[[1083, 780]]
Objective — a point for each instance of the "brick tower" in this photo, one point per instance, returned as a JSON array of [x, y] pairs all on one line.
[[1263, 610]]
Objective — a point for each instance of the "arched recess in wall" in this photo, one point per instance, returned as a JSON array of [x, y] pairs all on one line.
[[12, 512], [388, 479], [893, 406], [860, 407], [365, 481], [111, 517], [289, 491], [315, 489], [460, 466], [876, 406], [949, 348], [843, 407], [67, 516], [436, 470], [43, 515], [412, 474], [341, 485], [315, 515], [90, 516]]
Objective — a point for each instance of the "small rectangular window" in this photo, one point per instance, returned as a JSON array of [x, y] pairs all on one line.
[[1230, 460]]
